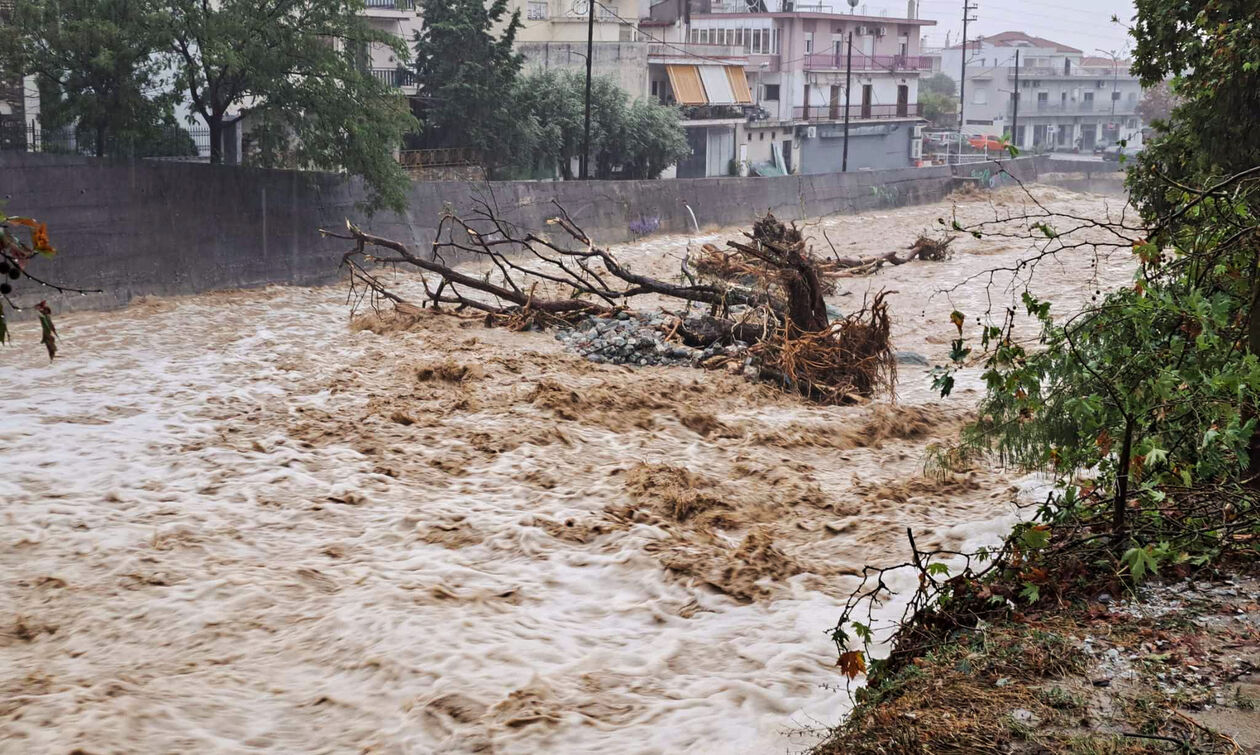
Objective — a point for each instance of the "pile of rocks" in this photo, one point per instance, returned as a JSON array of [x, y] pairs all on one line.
[[637, 338]]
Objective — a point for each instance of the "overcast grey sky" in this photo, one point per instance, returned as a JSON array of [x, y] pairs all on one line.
[[1085, 24]]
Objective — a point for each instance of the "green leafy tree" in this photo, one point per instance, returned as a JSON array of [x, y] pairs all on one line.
[[938, 83], [1209, 51], [653, 139], [549, 109], [1154, 389], [98, 65], [1157, 103], [295, 67], [629, 138], [938, 100], [467, 76]]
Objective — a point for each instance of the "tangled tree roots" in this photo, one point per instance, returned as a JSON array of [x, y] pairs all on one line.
[[770, 294]]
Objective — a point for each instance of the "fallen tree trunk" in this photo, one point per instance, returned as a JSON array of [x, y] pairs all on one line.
[[923, 248], [532, 279]]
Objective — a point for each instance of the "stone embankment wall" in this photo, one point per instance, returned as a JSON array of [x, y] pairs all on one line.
[[150, 227]]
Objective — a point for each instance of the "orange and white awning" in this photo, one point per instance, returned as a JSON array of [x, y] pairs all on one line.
[[709, 85]]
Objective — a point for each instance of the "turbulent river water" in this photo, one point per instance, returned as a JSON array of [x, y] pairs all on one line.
[[238, 522]]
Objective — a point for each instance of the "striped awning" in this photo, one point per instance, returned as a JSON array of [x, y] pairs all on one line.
[[685, 81], [709, 85], [739, 85]]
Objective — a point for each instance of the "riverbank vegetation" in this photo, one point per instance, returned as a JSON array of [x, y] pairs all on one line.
[[1141, 408]]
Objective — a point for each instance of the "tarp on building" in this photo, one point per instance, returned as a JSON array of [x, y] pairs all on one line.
[[717, 85]]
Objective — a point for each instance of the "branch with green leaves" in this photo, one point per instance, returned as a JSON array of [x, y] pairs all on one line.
[[22, 241]]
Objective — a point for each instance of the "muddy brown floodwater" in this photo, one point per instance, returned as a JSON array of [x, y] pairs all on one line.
[[237, 523]]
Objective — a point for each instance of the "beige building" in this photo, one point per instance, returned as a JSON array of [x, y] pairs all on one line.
[[567, 20], [402, 19]]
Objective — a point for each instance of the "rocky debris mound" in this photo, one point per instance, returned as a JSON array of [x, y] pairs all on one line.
[[642, 339]]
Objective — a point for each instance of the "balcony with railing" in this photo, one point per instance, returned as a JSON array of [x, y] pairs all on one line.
[[837, 61], [1084, 107], [856, 112], [712, 112], [1057, 72], [402, 6], [394, 77], [696, 53]]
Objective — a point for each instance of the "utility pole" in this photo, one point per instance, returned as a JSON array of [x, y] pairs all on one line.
[[1115, 84], [962, 79], [1015, 116], [848, 88], [583, 170]]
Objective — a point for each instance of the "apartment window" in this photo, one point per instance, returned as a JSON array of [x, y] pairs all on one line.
[[809, 42], [1115, 96], [1043, 98], [980, 97], [763, 136], [536, 10], [770, 92]]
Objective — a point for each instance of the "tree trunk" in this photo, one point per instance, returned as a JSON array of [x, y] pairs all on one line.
[[1253, 345], [215, 123], [1120, 506]]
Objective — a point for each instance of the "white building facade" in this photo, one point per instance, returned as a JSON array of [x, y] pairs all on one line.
[[797, 60], [1067, 101]]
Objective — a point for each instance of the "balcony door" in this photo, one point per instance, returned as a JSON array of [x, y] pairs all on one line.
[[867, 96], [903, 100], [833, 104]]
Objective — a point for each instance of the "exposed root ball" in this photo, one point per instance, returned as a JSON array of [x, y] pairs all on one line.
[[932, 250], [850, 360]]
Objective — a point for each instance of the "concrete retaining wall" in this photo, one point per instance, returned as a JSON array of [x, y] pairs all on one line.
[[155, 228]]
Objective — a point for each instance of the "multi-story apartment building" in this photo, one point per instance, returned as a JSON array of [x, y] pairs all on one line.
[[797, 58], [1067, 100], [566, 20], [402, 19]]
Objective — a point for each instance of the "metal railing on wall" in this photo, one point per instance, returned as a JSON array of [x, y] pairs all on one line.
[[856, 112], [394, 77], [173, 142], [837, 61], [436, 158]]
